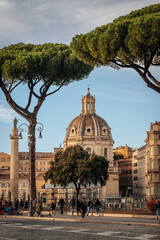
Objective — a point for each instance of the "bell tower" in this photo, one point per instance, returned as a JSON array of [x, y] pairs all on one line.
[[88, 104]]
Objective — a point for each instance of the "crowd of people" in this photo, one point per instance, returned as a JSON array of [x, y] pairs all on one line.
[[82, 206]]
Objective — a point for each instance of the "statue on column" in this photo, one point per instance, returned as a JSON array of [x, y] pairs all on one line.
[[15, 122]]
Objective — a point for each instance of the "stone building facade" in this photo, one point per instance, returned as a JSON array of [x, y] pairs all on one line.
[[94, 134], [153, 160], [139, 176], [42, 164]]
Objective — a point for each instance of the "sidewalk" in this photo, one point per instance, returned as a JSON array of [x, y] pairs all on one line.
[[108, 218]]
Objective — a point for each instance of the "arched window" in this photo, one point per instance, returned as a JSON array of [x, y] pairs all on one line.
[[88, 150], [88, 106], [105, 152]]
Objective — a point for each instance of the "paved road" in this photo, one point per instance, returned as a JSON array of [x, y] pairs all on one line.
[[12, 228]]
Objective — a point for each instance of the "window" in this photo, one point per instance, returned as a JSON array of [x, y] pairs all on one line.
[[158, 136], [3, 185], [88, 150], [92, 106], [151, 177], [135, 178], [3, 160], [8, 160], [135, 171], [105, 152], [88, 106], [88, 129], [152, 150], [135, 165]]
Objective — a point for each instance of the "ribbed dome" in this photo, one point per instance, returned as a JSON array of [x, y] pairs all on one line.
[[88, 125]]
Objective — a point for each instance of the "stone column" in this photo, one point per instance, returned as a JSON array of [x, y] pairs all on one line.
[[14, 163]]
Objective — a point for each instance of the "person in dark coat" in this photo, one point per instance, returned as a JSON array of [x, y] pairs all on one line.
[[83, 208], [90, 207], [53, 207], [72, 205], [97, 206], [157, 208], [21, 205], [78, 206], [61, 203]]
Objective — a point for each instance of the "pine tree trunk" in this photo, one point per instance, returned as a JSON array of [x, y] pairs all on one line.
[[32, 153]]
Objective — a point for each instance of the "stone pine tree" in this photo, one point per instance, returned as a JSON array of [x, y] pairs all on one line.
[[42, 70], [131, 41], [75, 165]]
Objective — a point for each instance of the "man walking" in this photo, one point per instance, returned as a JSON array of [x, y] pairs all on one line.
[[90, 207], [61, 203], [83, 208], [72, 205]]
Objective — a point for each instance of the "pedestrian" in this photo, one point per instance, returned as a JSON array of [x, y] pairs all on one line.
[[78, 206], [34, 205], [72, 205], [90, 207], [83, 208], [53, 206], [61, 203], [16, 205], [97, 206], [21, 204], [38, 208], [3, 203], [26, 204], [157, 208]]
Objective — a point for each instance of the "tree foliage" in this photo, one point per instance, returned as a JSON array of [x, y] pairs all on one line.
[[75, 165], [43, 70], [130, 41]]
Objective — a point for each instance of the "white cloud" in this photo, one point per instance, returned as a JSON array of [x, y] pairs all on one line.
[[6, 114], [42, 21]]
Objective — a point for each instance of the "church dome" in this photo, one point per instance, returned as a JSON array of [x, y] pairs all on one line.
[[88, 125]]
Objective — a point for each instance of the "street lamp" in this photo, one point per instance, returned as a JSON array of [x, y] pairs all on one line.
[[26, 128]]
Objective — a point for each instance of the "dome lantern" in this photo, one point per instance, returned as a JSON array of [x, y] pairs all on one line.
[[88, 104]]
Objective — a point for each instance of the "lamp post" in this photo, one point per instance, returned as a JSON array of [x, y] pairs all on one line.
[[26, 128]]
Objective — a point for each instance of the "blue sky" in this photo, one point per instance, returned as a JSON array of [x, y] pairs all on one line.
[[122, 98]]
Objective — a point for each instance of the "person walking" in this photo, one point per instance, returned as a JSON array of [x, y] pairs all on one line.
[[53, 206], [34, 205], [97, 206], [16, 205], [21, 204], [78, 206], [89, 207], [157, 208], [38, 208], [72, 205], [61, 203], [83, 208]]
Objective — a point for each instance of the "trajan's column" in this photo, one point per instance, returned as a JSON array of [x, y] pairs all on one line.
[[14, 162]]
